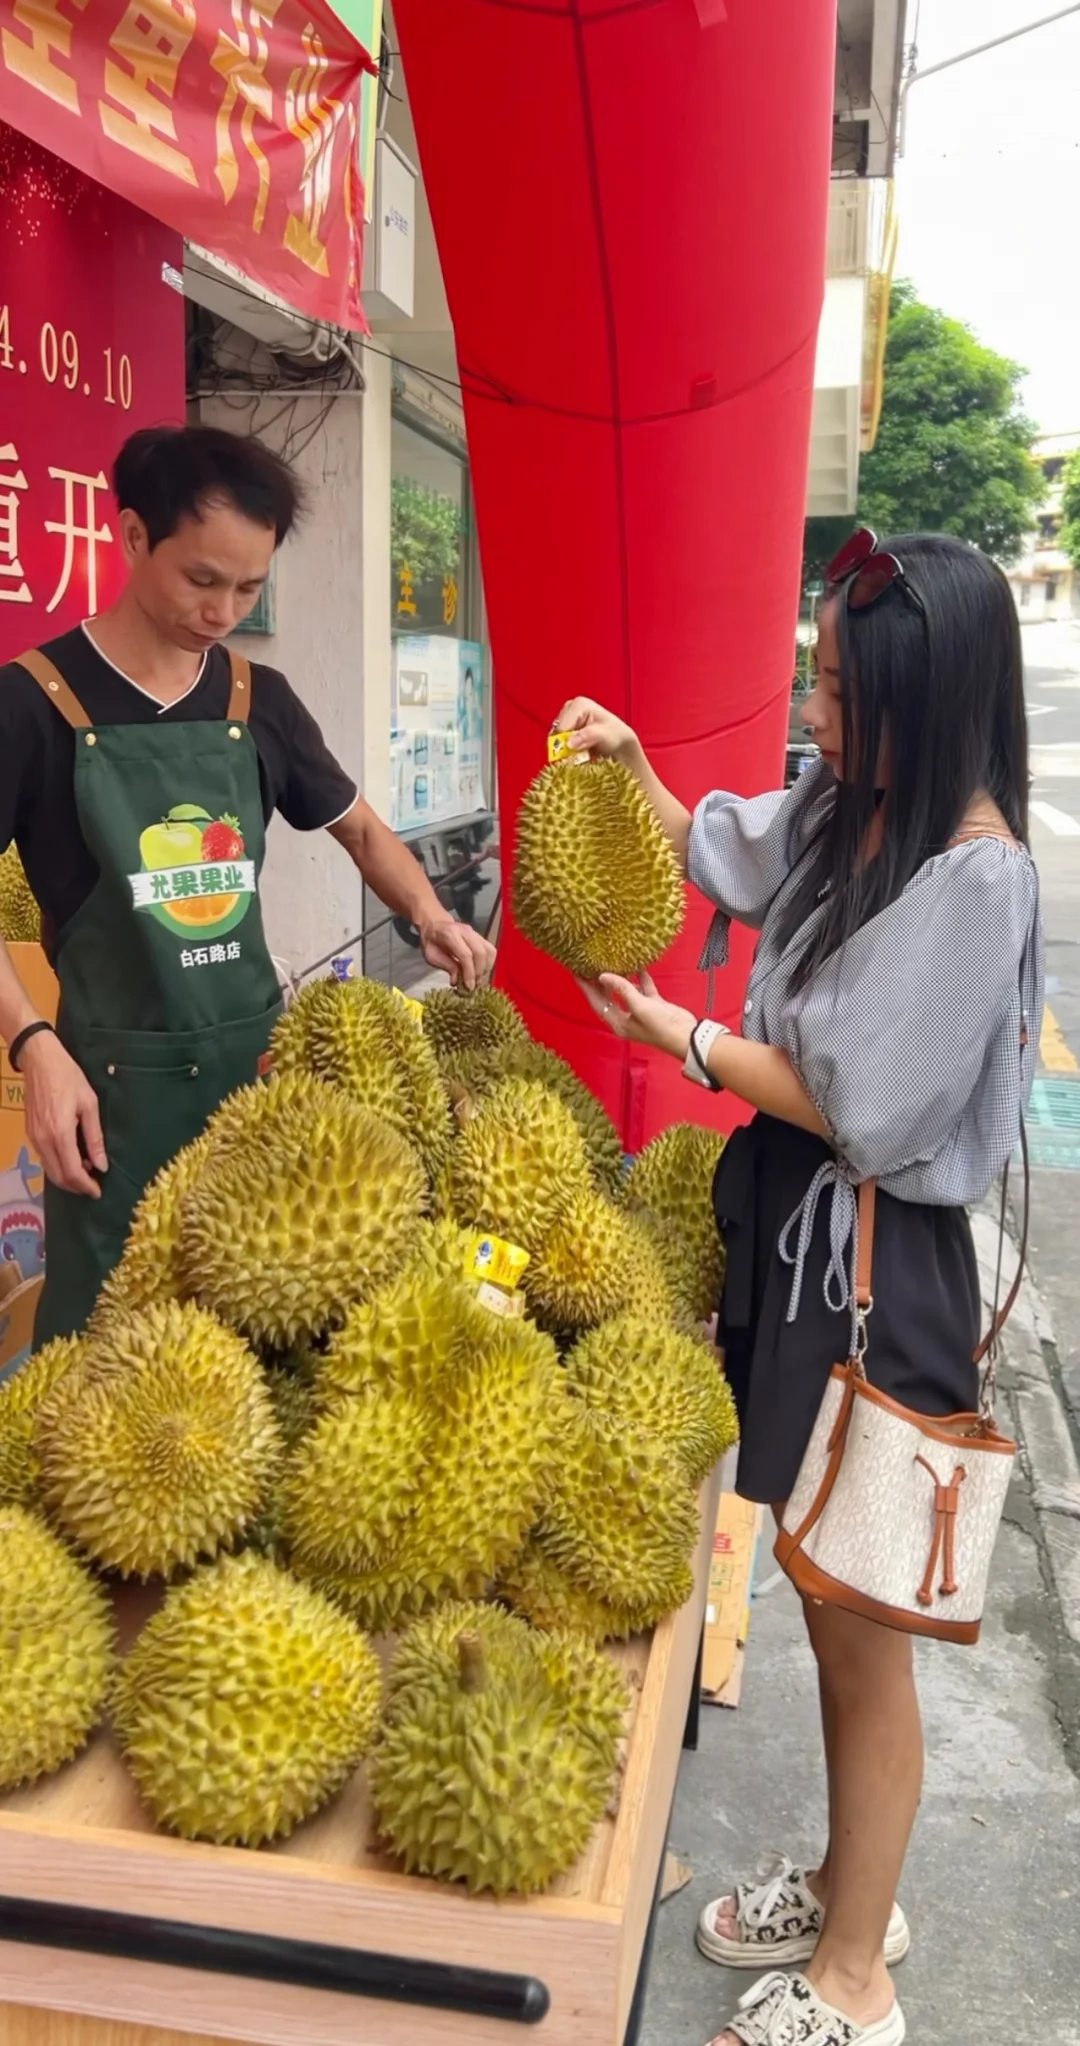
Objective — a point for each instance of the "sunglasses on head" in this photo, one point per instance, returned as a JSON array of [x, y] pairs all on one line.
[[865, 573]]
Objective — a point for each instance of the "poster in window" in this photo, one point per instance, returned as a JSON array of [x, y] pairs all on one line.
[[437, 743]]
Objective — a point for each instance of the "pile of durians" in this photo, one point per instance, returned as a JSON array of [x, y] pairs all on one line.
[[293, 1408]]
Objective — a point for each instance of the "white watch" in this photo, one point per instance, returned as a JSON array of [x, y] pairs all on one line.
[[702, 1038]]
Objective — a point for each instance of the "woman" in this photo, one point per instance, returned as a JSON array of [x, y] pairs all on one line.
[[890, 1032]]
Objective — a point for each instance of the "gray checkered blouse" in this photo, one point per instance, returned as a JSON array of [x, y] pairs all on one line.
[[911, 1039]]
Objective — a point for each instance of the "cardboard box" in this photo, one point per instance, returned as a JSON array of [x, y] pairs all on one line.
[[22, 1182], [727, 1610], [17, 1311]]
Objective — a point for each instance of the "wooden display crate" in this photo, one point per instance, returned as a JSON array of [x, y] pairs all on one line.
[[114, 1935]]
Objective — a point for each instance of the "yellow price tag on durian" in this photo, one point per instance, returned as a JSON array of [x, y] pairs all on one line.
[[415, 1008], [561, 753], [489, 1260]]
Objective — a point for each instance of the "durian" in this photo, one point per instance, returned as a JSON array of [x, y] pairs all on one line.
[[245, 1704], [433, 1456], [169, 1447], [22, 1397], [293, 1395], [498, 1754], [602, 1140], [308, 1211], [534, 1586], [56, 1650], [517, 1162], [597, 884], [20, 917], [652, 1379], [359, 1035], [673, 1180], [595, 1262], [622, 1520], [482, 1021], [149, 1270]]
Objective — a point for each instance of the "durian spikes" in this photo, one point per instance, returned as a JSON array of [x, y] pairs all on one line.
[[22, 1398], [167, 1445], [56, 1650], [652, 1379], [672, 1181], [245, 1704], [597, 883], [517, 1162], [312, 1207], [434, 1453], [20, 917], [359, 1035], [483, 1023], [498, 1751]]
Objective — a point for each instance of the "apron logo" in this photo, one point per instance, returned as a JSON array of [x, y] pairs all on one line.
[[194, 872]]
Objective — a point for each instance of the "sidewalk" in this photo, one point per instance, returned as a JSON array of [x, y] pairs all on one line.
[[992, 1886]]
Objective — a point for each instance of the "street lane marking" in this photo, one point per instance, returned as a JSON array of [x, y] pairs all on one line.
[[1057, 821], [1054, 1053]]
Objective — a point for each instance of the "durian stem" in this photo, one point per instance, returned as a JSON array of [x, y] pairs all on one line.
[[472, 1663]]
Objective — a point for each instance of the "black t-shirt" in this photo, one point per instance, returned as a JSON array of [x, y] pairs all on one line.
[[299, 774]]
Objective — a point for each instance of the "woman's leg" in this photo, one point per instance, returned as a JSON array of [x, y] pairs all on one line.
[[727, 1921], [867, 1675], [874, 1746]]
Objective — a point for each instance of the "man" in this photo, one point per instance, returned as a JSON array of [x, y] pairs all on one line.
[[140, 763]]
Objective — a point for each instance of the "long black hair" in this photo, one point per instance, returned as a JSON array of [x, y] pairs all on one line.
[[941, 695]]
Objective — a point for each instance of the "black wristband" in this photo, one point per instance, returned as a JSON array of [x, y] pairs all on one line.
[[24, 1036]]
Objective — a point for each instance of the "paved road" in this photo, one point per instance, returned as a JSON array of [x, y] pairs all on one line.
[[1052, 656]]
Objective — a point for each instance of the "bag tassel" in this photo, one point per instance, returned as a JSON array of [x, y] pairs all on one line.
[[946, 1507]]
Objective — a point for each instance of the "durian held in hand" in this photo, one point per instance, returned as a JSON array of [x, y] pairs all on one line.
[[597, 882]]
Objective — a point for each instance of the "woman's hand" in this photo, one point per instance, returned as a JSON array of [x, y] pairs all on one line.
[[596, 730], [639, 1015]]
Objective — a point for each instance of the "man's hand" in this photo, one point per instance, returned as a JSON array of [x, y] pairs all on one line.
[[60, 1103], [457, 949]]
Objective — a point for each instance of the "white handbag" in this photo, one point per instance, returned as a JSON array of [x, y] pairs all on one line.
[[894, 1514]]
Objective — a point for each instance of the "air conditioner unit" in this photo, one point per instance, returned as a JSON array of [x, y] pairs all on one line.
[[390, 254]]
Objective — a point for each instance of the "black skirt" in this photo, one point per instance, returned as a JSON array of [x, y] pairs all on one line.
[[922, 1332]]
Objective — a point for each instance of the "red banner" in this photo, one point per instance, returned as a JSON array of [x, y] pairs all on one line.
[[91, 347], [234, 121]]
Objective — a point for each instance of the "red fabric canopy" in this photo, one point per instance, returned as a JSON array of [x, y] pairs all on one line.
[[235, 122], [630, 202]]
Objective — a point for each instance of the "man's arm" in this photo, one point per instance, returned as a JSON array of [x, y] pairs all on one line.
[[399, 880], [60, 1101]]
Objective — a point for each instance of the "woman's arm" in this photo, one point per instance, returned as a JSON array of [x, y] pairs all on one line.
[[760, 1074], [599, 732]]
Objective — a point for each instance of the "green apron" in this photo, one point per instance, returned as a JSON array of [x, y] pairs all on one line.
[[168, 994]]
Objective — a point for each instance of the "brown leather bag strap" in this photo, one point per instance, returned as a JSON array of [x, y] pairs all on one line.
[[51, 682], [864, 1269], [240, 695]]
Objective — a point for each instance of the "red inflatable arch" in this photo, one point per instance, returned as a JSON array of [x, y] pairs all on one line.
[[630, 199]]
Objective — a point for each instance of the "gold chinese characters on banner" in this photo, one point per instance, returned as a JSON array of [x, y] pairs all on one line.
[[236, 122]]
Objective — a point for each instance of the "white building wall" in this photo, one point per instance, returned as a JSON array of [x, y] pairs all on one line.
[[312, 896]]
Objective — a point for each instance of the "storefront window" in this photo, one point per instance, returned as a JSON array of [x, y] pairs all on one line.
[[441, 737]]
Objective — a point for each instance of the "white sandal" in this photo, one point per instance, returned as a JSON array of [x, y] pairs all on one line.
[[785, 2010], [780, 1923]]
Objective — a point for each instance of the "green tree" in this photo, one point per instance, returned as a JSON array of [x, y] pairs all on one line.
[[425, 530], [953, 451], [1070, 510]]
